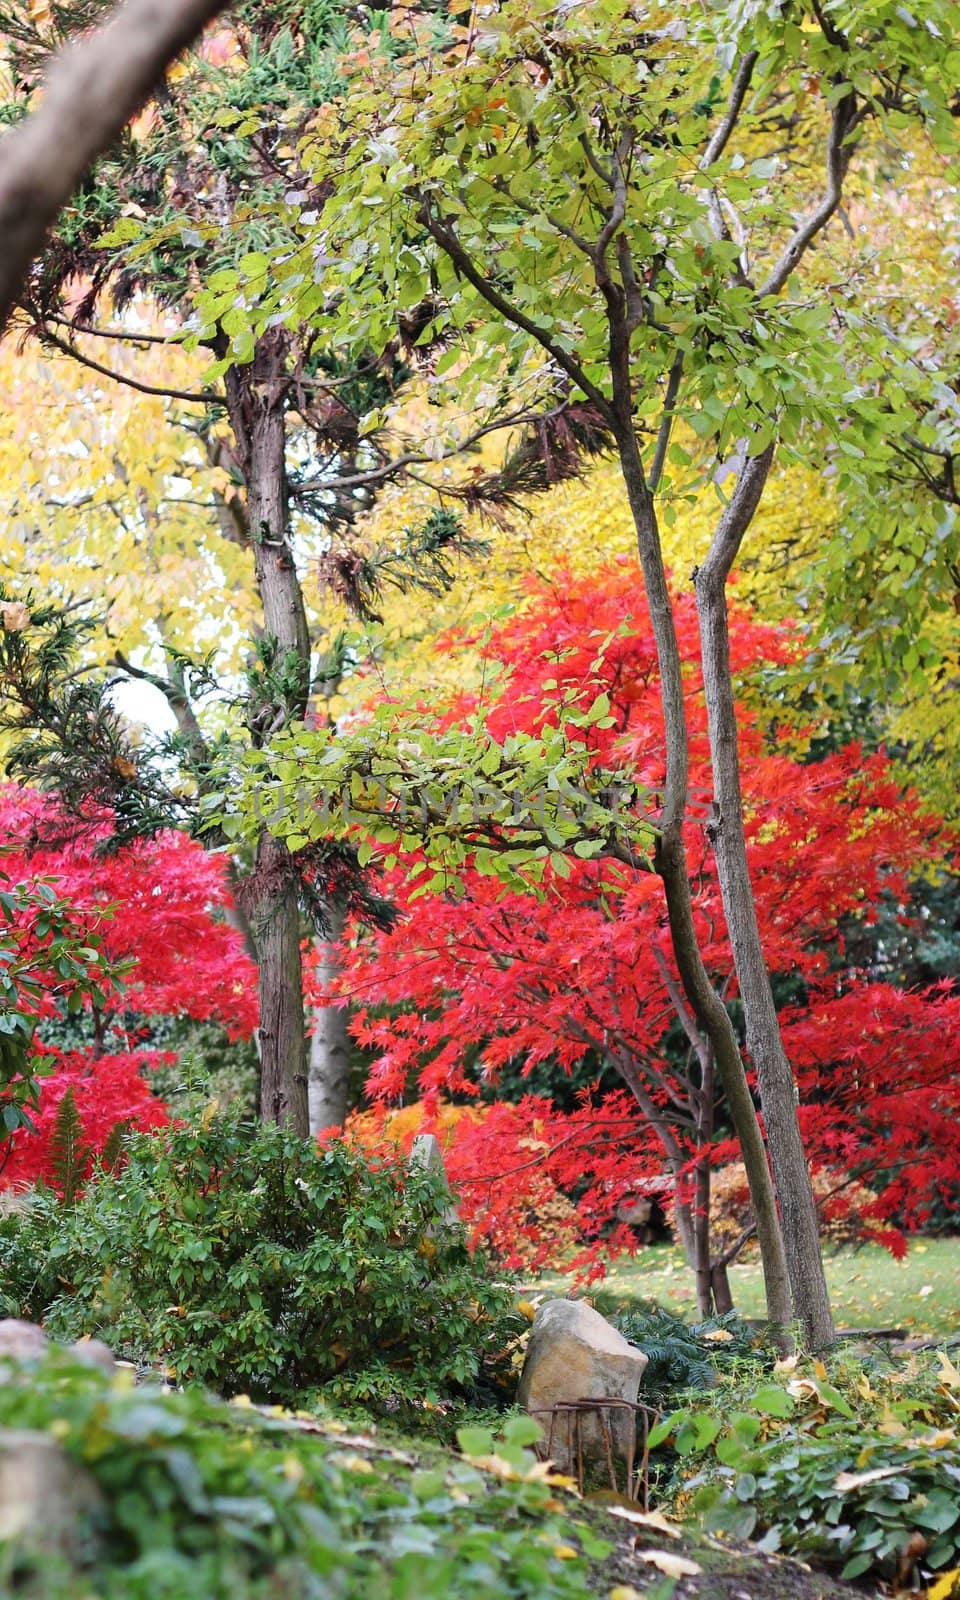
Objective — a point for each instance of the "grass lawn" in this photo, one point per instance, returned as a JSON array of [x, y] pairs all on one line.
[[869, 1289]]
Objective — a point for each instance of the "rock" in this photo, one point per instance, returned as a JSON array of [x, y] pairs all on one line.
[[575, 1354], [22, 1341], [425, 1152], [46, 1501], [94, 1353]]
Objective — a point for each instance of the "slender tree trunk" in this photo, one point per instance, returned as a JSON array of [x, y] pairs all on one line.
[[701, 1234], [256, 402], [722, 1296], [329, 1077], [775, 1078], [671, 864]]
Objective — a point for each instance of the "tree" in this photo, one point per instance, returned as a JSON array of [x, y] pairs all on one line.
[[472, 979], [150, 922], [94, 89], [210, 166], [598, 200]]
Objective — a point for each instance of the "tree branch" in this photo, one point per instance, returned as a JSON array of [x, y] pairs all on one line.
[[449, 243], [94, 87], [839, 153], [721, 136], [204, 398]]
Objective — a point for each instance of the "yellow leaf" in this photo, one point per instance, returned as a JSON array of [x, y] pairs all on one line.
[[624, 1591], [718, 1336], [673, 1566], [948, 1372], [352, 1463], [565, 1552], [645, 1519], [946, 1585], [41, 13], [527, 1309]]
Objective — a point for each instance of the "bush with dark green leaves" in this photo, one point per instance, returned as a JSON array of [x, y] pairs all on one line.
[[243, 1258], [204, 1498]]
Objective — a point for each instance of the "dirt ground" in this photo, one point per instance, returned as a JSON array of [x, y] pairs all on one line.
[[727, 1571]]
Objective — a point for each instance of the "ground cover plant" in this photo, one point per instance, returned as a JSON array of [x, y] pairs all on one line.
[[857, 1466], [202, 1497]]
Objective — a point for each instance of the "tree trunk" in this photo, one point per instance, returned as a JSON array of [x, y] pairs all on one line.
[[256, 403], [722, 1296], [775, 1078], [283, 1046], [329, 1078], [671, 864]]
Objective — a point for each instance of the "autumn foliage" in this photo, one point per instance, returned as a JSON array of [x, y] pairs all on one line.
[[470, 984], [157, 907]]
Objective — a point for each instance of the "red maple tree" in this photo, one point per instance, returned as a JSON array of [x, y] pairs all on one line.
[[466, 985], [158, 909]]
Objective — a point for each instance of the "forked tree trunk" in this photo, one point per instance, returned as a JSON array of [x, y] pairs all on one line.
[[256, 401], [329, 1075], [774, 1075], [671, 863]]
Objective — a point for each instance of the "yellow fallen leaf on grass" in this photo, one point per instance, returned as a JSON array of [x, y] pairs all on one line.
[[625, 1591], [674, 1566], [565, 1552]]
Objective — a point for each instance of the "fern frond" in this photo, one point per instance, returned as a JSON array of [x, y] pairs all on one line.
[[69, 1150]]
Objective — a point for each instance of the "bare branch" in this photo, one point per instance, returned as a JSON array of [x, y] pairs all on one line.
[[839, 153], [736, 518], [666, 422], [721, 136], [94, 87], [203, 398]]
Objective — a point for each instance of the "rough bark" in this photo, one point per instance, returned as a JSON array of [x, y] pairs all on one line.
[[93, 88], [282, 1047], [774, 1075], [671, 863], [329, 1075], [256, 401]]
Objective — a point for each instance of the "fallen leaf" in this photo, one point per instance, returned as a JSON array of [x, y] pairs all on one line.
[[645, 1519], [946, 1585], [718, 1336], [846, 1482], [673, 1566]]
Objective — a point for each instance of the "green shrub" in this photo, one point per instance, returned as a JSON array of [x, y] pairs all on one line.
[[206, 1498], [242, 1258], [853, 1472]]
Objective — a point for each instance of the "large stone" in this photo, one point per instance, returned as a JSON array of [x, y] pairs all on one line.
[[48, 1505], [22, 1341], [575, 1354]]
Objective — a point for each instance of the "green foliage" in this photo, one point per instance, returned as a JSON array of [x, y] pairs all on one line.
[[44, 955], [68, 1148], [451, 793], [206, 1498], [245, 1259], [681, 1356], [845, 1471]]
